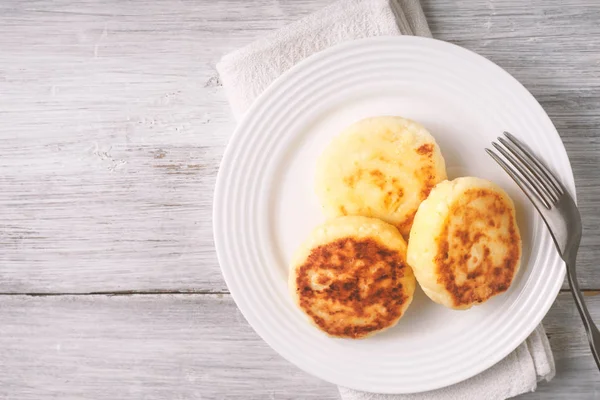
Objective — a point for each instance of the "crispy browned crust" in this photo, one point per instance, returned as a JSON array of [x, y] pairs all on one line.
[[490, 277], [426, 174], [358, 288]]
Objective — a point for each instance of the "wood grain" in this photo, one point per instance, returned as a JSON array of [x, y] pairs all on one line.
[[113, 122], [112, 126], [142, 347], [196, 347]]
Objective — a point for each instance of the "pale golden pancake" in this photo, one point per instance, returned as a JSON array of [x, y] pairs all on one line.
[[465, 245], [381, 167], [350, 277]]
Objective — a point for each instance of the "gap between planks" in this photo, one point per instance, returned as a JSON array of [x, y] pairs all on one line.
[[586, 292], [122, 293]]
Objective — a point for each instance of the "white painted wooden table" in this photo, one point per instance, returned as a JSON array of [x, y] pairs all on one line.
[[112, 125]]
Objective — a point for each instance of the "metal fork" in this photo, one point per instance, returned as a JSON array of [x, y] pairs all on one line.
[[558, 210]]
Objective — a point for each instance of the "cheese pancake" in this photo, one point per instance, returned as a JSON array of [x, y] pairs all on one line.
[[381, 167], [465, 245], [350, 277]]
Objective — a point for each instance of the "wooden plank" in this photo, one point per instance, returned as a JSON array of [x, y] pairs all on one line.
[[113, 123], [195, 346], [145, 347]]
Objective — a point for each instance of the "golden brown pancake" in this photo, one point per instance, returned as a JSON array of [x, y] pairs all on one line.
[[381, 167], [350, 277], [465, 245]]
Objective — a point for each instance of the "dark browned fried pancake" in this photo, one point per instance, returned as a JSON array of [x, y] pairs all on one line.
[[348, 282], [465, 245]]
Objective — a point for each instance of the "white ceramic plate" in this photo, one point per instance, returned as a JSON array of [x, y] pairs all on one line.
[[265, 206]]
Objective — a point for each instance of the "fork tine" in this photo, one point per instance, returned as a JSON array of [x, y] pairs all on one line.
[[523, 184], [525, 174], [551, 179], [544, 183]]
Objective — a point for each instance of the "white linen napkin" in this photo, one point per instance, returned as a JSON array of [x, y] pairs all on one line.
[[517, 373], [246, 72]]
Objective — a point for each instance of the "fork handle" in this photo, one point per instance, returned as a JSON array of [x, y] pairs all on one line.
[[591, 329]]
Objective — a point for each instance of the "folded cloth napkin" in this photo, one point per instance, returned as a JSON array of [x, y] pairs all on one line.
[[516, 374], [245, 73]]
